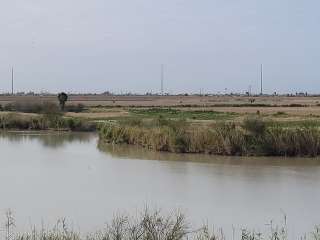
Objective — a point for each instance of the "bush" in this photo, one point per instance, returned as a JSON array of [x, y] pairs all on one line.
[[176, 125], [76, 124], [44, 122], [75, 108], [12, 120], [8, 107], [254, 125], [131, 122], [50, 109], [33, 107]]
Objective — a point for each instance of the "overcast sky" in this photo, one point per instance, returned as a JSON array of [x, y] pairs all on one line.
[[119, 45]]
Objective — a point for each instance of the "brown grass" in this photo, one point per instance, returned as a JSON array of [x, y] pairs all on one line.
[[206, 101], [253, 137], [98, 115], [101, 107]]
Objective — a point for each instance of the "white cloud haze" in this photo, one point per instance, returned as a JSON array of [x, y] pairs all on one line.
[[119, 45]]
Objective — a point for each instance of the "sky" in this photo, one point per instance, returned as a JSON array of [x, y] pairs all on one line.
[[119, 45]]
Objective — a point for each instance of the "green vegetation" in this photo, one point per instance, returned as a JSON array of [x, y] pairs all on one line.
[[172, 113], [31, 107], [48, 121], [176, 130], [296, 124], [253, 137], [149, 225], [39, 107], [75, 108], [42, 116], [280, 114]]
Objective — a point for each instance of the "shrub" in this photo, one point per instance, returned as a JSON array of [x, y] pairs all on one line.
[[131, 122], [254, 125], [8, 107], [75, 108], [280, 113], [44, 122], [33, 107], [76, 124], [50, 109]]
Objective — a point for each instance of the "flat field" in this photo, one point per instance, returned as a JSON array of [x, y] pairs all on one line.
[[178, 100], [194, 108]]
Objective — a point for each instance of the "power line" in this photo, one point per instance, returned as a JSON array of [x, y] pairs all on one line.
[[261, 79], [12, 79], [162, 78]]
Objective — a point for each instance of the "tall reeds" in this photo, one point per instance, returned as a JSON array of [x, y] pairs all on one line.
[[150, 225], [253, 137], [39, 107], [14, 121]]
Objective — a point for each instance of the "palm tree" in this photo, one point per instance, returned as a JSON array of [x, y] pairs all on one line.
[[62, 97]]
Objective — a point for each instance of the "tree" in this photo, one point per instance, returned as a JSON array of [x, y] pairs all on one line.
[[63, 98]]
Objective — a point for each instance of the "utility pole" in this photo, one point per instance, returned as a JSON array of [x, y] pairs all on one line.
[[162, 78], [261, 79], [12, 79]]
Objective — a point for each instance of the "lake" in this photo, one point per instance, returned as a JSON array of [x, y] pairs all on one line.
[[45, 176]]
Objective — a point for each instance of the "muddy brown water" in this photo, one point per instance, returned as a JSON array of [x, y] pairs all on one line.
[[45, 176]]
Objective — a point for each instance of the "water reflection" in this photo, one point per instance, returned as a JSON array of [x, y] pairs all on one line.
[[136, 152], [47, 139], [53, 175]]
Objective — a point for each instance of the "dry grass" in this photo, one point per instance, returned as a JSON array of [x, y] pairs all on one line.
[[149, 225], [25, 115], [30, 121], [99, 115], [296, 111], [253, 137], [101, 107], [102, 100]]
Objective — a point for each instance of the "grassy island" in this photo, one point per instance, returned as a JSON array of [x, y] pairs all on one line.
[[254, 131], [252, 136]]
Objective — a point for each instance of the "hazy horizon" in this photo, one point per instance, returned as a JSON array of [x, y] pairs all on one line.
[[101, 45]]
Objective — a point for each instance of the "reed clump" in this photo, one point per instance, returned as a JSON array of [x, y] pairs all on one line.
[[253, 137], [40, 107], [30, 115], [149, 225], [47, 121]]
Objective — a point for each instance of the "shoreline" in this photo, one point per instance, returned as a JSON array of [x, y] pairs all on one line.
[[252, 137], [16, 121], [189, 131]]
